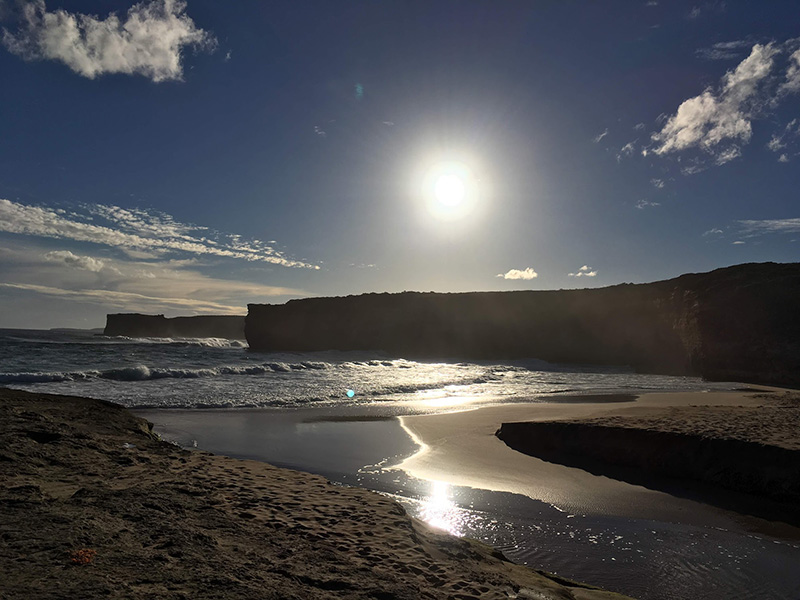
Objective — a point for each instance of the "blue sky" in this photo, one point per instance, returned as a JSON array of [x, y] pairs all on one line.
[[191, 157]]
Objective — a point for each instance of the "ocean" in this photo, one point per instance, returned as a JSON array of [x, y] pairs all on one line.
[[217, 373], [333, 413]]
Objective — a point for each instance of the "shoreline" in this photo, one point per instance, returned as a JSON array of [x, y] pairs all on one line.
[[87, 479], [462, 449]]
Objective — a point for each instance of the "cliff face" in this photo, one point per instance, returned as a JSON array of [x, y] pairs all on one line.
[[739, 323], [137, 325]]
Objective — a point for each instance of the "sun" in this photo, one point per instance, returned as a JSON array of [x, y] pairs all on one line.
[[450, 189]]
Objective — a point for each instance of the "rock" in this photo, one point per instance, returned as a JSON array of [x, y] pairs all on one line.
[[138, 325]]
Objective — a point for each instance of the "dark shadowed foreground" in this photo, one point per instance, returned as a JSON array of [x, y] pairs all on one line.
[[93, 506]]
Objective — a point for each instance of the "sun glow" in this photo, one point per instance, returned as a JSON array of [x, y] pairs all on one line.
[[450, 189]]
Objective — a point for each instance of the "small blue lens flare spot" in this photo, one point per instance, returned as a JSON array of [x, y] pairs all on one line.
[[350, 393]]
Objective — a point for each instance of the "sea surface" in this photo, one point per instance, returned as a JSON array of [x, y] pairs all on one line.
[[217, 373], [294, 410]]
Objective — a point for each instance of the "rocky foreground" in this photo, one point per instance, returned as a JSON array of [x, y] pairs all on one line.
[[93, 505]]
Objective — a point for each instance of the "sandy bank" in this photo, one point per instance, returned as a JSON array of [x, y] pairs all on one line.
[[750, 449], [163, 522], [462, 449]]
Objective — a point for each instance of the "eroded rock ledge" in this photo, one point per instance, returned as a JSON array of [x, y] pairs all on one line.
[[638, 455]]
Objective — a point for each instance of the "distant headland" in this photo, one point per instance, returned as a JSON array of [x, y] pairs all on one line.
[[738, 323], [138, 325]]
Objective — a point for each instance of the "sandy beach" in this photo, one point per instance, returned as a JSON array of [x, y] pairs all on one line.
[[94, 506], [462, 449]]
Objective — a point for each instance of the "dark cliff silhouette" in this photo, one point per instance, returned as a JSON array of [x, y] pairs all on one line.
[[739, 323], [138, 325]]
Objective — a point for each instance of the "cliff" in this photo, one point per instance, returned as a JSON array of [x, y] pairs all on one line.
[[739, 323], [137, 325]]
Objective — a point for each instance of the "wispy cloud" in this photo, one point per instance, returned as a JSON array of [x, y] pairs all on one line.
[[713, 232], [786, 138], [128, 284], [626, 151], [128, 301], [136, 230], [767, 226], [724, 50], [584, 271], [642, 204], [657, 183], [527, 273], [86, 263], [148, 41], [598, 138]]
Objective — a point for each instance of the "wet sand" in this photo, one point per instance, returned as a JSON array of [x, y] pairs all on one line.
[[94, 506], [462, 449]]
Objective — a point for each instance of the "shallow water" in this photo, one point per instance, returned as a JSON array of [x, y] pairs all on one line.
[[650, 559], [207, 373]]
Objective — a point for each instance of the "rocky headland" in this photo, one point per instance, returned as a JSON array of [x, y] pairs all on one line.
[[138, 325], [738, 323]]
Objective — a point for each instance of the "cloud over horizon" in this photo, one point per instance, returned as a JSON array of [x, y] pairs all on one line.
[[149, 41], [584, 271], [126, 284], [527, 273], [136, 231]]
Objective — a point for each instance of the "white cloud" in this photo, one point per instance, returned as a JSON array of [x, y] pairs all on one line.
[[527, 273], [86, 263], [738, 242], [723, 50], [136, 230], [128, 285], [601, 136], [319, 131], [641, 204], [766, 226], [713, 231], [787, 137], [717, 122], [626, 151], [657, 183], [149, 41], [129, 301], [639, 126], [584, 271], [792, 83]]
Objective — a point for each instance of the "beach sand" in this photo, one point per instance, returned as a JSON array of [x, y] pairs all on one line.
[[94, 506], [462, 449]]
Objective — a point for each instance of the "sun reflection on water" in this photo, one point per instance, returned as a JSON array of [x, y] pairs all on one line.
[[438, 509]]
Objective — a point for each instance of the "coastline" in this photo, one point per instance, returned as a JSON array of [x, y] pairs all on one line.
[[87, 475], [462, 449]]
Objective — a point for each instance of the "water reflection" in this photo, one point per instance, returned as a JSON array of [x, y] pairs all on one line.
[[439, 510]]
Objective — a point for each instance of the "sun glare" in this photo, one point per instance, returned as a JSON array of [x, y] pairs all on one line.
[[450, 190]]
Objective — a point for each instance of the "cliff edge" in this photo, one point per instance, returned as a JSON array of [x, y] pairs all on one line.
[[138, 325], [738, 323]]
